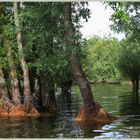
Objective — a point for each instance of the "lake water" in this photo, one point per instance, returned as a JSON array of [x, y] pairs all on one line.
[[118, 100]]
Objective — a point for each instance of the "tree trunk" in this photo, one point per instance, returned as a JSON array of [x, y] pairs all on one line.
[[91, 111], [82, 81], [28, 99], [135, 83], [65, 86], [48, 94], [14, 80], [37, 94], [5, 104]]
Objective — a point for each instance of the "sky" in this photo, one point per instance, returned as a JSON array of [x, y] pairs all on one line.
[[99, 23]]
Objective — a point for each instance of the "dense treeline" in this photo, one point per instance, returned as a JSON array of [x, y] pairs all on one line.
[[126, 19], [41, 49], [110, 60], [34, 52], [101, 59]]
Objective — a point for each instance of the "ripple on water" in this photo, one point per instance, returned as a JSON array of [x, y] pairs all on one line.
[[63, 124], [112, 135]]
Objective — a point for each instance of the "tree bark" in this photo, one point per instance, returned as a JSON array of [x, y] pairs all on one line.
[[14, 80], [37, 94], [28, 99], [6, 105], [48, 93], [91, 111]]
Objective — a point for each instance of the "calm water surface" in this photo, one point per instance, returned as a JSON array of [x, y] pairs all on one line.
[[118, 100]]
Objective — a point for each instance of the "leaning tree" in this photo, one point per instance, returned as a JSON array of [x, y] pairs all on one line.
[[91, 110]]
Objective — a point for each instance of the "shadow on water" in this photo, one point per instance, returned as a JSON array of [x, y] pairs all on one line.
[[129, 104], [135, 97], [90, 129], [68, 104], [116, 99]]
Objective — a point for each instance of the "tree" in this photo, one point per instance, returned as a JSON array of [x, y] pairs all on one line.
[[91, 111], [48, 93], [101, 58], [28, 99], [6, 104], [7, 37], [16, 100], [126, 19], [129, 63], [45, 52]]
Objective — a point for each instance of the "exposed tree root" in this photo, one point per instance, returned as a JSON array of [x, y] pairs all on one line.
[[16, 112], [8, 109], [95, 114]]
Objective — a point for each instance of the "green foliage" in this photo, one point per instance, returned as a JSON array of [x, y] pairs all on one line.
[[44, 40], [126, 18], [6, 33], [44, 37], [120, 17], [101, 59], [129, 59]]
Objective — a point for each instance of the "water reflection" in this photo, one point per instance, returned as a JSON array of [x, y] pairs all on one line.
[[129, 104], [115, 99], [135, 97], [90, 129]]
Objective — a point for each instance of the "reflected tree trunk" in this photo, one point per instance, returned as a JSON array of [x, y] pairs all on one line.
[[135, 83]]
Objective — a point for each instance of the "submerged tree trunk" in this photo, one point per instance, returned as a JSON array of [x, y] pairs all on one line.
[[91, 111], [14, 80], [48, 94], [28, 99]]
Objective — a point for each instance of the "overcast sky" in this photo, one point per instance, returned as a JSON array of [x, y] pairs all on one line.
[[99, 22]]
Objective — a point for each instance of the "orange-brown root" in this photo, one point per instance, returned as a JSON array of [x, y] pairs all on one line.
[[17, 111], [97, 115]]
